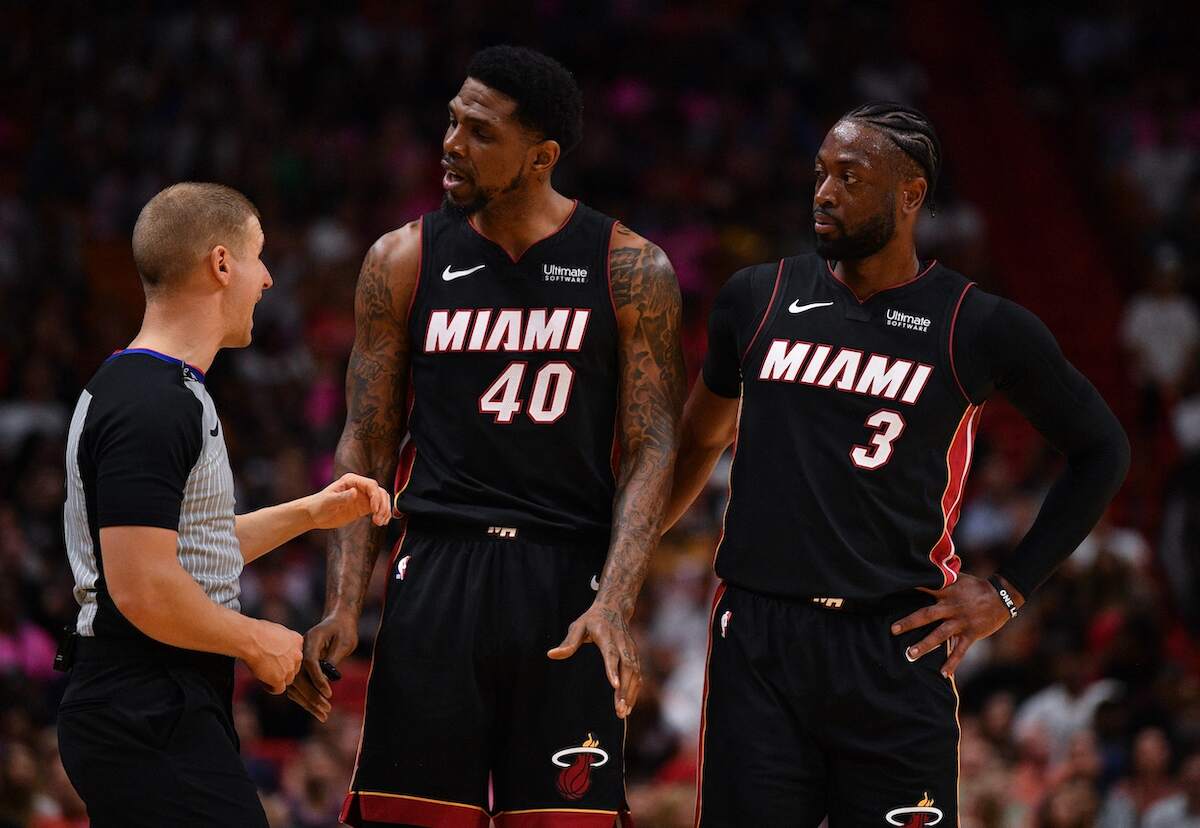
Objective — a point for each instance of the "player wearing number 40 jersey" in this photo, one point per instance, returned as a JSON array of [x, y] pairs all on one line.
[[528, 345], [851, 383]]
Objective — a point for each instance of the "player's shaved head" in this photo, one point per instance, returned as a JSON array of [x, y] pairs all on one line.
[[181, 225]]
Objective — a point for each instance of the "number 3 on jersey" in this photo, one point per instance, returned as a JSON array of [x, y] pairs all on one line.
[[888, 425], [547, 401]]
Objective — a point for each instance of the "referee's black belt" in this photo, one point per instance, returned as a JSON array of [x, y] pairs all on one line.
[[114, 650]]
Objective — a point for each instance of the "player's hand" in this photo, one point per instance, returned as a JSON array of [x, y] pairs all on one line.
[[273, 654], [332, 639], [969, 609], [304, 692], [348, 498], [606, 627]]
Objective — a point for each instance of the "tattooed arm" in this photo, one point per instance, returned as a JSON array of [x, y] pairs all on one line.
[[646, 296], [376, 383]]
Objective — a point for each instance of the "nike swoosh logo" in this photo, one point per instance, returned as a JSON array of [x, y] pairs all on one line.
[[213, 432], [595, 584], [450, 275], [795, 307]]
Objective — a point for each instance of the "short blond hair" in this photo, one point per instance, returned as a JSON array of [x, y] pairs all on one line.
[[181, 225]]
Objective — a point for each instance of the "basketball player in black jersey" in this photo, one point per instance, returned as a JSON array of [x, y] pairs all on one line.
[[850, 383], [519, 352]]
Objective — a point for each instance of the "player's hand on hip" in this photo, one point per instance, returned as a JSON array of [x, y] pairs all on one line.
[[273, 654], [606, 627], [968, 610], [333, 638], [348, 498]]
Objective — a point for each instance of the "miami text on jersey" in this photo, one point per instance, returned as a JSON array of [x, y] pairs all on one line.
[[506, 329], [847, 369]]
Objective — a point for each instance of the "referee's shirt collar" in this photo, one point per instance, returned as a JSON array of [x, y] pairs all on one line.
[[187, 368]]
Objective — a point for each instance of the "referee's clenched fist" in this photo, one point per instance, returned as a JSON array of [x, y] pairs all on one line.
[[274, 654]]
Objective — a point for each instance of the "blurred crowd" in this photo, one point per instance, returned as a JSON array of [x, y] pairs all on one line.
[[701, 123]]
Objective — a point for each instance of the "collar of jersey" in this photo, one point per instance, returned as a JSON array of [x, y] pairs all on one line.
[[894, 290], [199, 374], [508, 256]]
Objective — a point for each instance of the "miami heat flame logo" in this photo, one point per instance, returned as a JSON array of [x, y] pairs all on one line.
[[919, 816], [576, 775]]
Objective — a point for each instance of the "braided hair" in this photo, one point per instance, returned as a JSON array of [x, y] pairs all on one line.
[[910, 131]]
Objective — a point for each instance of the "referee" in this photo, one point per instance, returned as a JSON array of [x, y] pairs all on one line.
[[145, 726]]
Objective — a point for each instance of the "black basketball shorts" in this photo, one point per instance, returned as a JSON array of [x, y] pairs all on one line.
[[148, 740], [813, 711], [466, 717]]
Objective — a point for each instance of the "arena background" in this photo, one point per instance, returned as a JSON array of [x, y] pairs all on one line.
[[1072, 186]]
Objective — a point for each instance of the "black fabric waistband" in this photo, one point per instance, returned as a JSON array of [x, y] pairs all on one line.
[[218, 668], [899, 603], [433, 527]]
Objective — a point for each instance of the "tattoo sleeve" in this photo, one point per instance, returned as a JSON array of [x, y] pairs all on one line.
[[376, 383], [646, 296]]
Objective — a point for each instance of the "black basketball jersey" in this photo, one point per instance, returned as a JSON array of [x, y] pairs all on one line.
[[854, 436], [513, 379]]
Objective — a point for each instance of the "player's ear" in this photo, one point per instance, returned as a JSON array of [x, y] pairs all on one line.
[[219, 264], [545, 155], [912, 195]]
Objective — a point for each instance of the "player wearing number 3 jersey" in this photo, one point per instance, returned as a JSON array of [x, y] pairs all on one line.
[[518, 353], [853, 381]]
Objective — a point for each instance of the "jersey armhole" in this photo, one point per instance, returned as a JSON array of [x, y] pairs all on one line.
[[767, 313], [422, 240], [950, 344], [412, 300], [612, 233]]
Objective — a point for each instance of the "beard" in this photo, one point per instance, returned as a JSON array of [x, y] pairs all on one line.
[[482, 198], [466, 209], [866, 240]]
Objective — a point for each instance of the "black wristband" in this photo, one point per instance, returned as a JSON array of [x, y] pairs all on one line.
[[1004, 594]]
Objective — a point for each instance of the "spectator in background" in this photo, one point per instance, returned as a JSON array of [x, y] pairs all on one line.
[[1179, 547], [314, 787], [18, 778], [25, 648], [1185, 419], [1072, 804], [1161, 331], [1183, 809], [1066, 707], [36, 410], [990, 520], [1148, 783], [1161, 168], [1125, 544]]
